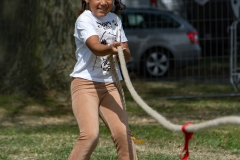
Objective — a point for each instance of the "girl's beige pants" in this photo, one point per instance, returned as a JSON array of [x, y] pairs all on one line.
[[91, 100]]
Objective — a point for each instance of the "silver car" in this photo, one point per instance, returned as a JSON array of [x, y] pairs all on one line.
[[159, 41]]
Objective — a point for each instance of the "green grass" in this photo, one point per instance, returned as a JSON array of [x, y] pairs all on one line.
[[45, 129]]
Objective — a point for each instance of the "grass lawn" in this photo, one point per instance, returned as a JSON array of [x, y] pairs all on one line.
[[45, 129]]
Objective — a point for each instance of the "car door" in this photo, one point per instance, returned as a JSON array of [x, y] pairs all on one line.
[[135, 29]]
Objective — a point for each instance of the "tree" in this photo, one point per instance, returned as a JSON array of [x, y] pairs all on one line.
[[37, 45]]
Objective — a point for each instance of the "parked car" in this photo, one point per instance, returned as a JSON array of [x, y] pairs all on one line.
[[159, 41]]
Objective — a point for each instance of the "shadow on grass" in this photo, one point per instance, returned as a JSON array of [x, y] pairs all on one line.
[[12, 106]]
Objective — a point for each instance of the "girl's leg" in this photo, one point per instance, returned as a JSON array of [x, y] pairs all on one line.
[[85, 108], [114, 116]]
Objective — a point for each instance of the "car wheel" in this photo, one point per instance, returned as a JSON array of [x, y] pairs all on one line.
[[157, 63]]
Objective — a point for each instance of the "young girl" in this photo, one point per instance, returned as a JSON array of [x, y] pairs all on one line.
[[98, 33]]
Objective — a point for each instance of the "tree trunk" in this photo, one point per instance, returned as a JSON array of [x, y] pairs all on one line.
[[37, 45]]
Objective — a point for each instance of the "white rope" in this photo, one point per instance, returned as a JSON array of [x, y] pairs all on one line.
[[117, 81], [162, 120]]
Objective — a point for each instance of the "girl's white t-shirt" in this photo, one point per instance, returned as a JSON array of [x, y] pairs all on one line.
[[88, 65]]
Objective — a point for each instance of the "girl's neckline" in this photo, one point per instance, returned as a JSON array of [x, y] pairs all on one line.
[[100, 18]]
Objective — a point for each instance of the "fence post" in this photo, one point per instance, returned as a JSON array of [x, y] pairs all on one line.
[[234, 69]]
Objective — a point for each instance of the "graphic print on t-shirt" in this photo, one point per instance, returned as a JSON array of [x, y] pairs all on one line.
[[105, 64], [107, 35]]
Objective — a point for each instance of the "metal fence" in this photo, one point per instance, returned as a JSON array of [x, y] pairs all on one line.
[[217, 24], [213, 21], [234, 58]]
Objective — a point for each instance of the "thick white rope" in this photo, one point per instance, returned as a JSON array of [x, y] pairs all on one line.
[[117, 81], [162, 120]]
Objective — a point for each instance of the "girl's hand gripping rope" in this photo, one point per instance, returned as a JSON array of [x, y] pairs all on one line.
[[114, 46]]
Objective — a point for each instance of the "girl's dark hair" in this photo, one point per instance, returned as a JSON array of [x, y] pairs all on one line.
[[118, 6]]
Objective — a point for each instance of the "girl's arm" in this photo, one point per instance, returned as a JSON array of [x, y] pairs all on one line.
[[99, 49]]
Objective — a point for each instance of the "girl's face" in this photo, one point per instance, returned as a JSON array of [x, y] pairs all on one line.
[[100, 8]]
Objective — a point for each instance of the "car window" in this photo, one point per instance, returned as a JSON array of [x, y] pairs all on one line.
[[135, 19], [168, 22], [161, 21], [147, 20], [132, 20]]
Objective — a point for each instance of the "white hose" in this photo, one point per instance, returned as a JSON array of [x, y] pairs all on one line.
[[162, 120]]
